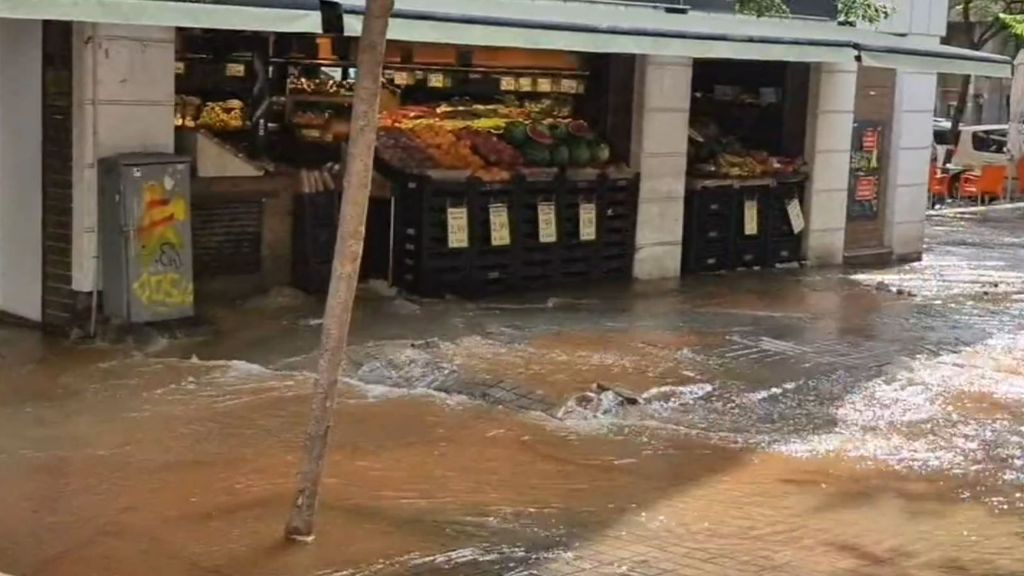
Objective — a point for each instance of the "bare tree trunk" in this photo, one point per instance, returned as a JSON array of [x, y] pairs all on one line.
[[348, 251], [958, 116]]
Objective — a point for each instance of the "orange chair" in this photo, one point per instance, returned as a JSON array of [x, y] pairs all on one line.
[[987, 185], [938, 184]]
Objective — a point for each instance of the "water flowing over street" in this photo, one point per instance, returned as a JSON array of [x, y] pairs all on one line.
[[786, 423]]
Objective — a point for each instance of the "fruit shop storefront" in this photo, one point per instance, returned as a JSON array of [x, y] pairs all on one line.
[[522, 144], [496, 168], [510, 158]]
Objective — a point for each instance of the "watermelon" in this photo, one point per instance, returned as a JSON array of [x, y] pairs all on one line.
[[600, 153], [560, 155], [535, 154], [539, 134], [579, 154], [579, 129], [515, 133], [558, 130]]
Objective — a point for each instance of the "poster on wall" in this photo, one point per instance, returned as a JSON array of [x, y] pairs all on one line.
[[865, 171]]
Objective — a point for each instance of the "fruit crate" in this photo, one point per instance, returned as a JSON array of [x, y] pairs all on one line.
[[714, 233], [424, 264], [314, 230]]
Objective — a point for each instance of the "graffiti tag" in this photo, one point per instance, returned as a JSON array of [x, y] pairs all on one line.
[[159, 226], [166, 289]]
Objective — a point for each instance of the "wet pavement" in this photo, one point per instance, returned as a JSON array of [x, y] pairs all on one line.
[[786, 422]]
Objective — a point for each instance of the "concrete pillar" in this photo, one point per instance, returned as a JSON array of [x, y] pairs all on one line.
[[661, 124], [123, 102], [830, 130], [909, 158], [21, 137]]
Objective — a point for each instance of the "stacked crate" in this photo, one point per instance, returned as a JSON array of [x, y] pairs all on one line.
[[314, 232], [424, 264], [716, 236]]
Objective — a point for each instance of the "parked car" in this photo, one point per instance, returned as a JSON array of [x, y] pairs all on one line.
[[978, 146]]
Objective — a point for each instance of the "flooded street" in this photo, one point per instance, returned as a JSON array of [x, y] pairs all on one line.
[[785, 423]]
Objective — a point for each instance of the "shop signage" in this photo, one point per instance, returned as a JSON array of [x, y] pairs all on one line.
[[507, 84], [750, 216], [525, 84], [402, 78], [543, 84], [796, 215], [435, 80], [458, 227], [568, 86], [547, 227], [500, 235], [865, 171], [234, 70], [588, 221]]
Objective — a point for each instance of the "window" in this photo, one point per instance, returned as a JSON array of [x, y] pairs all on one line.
[[992, 141], [943, 137]]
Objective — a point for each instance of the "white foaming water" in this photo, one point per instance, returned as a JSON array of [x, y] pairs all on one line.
[[958, 414]]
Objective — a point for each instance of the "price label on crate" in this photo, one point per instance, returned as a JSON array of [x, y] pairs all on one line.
[[567, 85], [458, 227], [435, 80], [507, 83], [179, 68], [500, 234], [796, 215], [588, 221], [543, 84], [234, 70], [546, 224], [750, 217], [402, 78], [525, 84]]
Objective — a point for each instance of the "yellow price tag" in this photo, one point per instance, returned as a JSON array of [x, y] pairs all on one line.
[[402, 78], [588, 221], [435, 80], [543, 84], [750, 217], [796, 215], [458, 227], [500, 233], [568, 86], [525, 84], [234, 70], [507, 83], [548, 227]]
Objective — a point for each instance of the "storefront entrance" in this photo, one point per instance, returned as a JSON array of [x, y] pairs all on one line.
[[865, 217]]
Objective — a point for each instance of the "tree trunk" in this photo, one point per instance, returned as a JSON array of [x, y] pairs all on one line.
[[958, 116], [348, 251]]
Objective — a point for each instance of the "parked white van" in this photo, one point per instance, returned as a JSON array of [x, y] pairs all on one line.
[[979, 145]]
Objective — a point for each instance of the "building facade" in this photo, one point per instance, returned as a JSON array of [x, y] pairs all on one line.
[[85, 88]]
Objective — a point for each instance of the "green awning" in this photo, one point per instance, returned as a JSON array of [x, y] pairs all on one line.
[[266, 15]]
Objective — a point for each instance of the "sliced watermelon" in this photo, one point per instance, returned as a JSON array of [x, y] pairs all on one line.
[[539, 133], [579, 129]]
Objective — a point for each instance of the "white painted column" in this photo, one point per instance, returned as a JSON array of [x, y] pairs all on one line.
[[124, 102], [830, 130], [21, 185], [661, 123], [910, 157]]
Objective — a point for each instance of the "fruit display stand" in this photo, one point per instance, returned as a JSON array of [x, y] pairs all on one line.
[[471, 238], [742, 223]]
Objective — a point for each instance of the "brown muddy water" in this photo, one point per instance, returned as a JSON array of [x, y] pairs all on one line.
[[797, 423], [123, 464]]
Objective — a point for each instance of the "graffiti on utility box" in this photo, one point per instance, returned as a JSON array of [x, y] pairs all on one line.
[[163, 283]]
